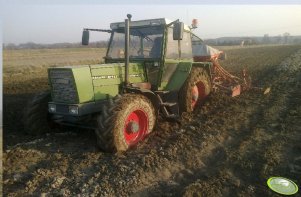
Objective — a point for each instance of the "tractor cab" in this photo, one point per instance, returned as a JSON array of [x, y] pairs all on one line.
[[160, 46]]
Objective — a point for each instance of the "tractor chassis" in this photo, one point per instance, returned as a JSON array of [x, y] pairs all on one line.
[[164, 101]]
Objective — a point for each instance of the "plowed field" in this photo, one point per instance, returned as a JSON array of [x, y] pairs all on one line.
[[227, 147]]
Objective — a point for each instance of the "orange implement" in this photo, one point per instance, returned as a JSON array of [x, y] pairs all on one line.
[[236, 91]]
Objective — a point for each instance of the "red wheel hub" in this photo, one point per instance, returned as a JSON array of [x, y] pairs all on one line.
[[136, 126], [198, 93]]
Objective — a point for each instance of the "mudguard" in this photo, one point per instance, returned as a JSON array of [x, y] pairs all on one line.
[[148, 93], [182, 72]]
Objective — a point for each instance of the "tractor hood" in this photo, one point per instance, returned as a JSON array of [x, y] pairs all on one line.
[[87, 83]]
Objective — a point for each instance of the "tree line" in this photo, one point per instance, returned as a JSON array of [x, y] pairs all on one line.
[[286, 38], [32, 45]]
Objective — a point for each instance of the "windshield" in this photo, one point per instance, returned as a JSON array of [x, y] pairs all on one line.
[[145, 42]]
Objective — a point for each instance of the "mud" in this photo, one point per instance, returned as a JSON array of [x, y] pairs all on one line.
[[227, 147]]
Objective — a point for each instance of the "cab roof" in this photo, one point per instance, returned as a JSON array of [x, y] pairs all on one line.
[[148, 22]]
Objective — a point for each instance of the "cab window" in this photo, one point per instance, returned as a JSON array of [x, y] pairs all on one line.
[[172, 51]]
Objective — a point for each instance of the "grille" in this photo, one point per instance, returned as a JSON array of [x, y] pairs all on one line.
[[63, 87]]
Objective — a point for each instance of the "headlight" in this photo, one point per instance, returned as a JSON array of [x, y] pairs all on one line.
[[51, 108], [73, 110]]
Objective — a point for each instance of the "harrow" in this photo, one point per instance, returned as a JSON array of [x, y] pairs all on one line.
[[222, 80]]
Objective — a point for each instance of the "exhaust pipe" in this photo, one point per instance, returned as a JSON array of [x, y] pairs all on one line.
[[127, 47]]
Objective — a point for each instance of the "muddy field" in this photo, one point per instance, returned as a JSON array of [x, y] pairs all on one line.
[[227, 147]]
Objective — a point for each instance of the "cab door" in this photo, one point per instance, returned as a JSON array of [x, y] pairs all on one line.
[[177, 62]]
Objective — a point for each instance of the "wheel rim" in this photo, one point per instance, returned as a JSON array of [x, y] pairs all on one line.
[[198, 93], [136, 126]]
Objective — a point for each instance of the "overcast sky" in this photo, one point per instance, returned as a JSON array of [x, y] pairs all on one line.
[[53, 23]]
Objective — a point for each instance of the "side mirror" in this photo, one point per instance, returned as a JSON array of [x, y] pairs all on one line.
[[85, 38], [178, 29]]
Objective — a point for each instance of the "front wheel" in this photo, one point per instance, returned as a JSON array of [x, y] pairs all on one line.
[[124, 124], [36, 118]]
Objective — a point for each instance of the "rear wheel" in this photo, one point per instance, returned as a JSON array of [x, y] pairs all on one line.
[[36, 118], [196, 88], [126, 122]]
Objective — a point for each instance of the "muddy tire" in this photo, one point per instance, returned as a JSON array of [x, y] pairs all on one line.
[[125, 122], [36, 116], [195, 90]]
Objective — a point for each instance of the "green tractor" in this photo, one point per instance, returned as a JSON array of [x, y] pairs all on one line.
[[148, 71]]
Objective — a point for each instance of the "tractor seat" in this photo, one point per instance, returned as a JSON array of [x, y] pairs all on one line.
[[156, 49]]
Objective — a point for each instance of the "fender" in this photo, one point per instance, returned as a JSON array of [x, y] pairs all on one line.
[[147, 93], [183, 71]]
